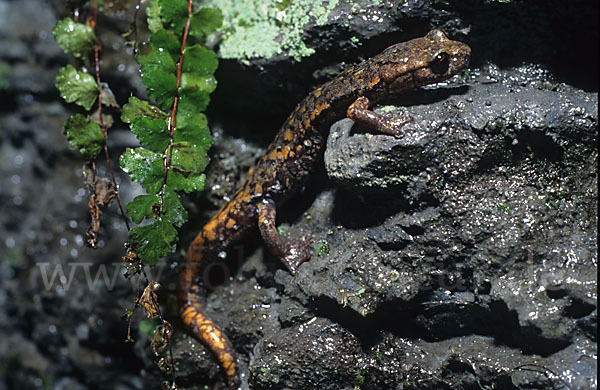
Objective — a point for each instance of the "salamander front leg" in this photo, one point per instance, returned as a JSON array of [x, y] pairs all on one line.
[[291, 253], [387, 124]]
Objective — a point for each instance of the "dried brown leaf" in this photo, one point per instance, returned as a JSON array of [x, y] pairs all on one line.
[[165, 365], [161, 337], [105, 191], [102, 193], [107, 119], [107, 96], [168, 386], [91, 235], [133, 264], [149, 300]]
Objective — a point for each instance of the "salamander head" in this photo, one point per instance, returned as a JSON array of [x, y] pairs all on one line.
[[422, 61]]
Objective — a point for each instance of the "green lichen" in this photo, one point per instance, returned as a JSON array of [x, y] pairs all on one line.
[[265, 28]]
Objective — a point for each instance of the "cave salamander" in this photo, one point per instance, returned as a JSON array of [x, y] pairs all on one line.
[[292, 156]]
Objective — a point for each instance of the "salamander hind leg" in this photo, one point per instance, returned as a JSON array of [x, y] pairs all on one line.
[[291, 253], [387, 124]]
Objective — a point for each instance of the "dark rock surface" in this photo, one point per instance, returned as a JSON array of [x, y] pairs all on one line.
[[460, 255]]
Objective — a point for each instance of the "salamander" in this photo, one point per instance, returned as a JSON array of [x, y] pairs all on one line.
[[293, 155]]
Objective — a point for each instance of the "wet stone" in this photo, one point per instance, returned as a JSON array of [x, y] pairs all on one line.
[[325, 355]]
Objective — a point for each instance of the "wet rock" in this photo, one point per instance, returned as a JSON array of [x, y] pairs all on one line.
[[231, 158], [251, 318], [461, 134], [589, 324], [19, 38], [467, 362], [195, 363], [30, 367], [326, 356]]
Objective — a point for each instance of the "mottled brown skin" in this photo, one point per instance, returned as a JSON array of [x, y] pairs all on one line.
[[292, 156]]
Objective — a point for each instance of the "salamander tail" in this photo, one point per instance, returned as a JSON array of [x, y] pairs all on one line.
[[203, 328]]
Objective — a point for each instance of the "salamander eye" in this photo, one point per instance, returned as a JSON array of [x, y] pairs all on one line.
[[440, 63]]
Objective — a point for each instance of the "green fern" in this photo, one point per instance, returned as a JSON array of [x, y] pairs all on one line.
[[173, 132], [175, 143]]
